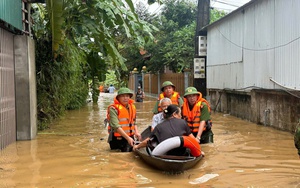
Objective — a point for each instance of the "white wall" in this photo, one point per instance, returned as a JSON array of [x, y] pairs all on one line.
[[255, 43]]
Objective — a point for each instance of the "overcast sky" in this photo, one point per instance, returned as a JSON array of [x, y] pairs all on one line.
[[226, 5]]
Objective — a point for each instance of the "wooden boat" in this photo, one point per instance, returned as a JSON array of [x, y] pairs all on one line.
[[168, 163]]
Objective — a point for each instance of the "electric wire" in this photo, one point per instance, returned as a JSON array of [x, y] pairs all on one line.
[[226, 3], [252, 49]]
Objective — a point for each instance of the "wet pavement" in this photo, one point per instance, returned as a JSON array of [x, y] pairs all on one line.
[[74, 153]]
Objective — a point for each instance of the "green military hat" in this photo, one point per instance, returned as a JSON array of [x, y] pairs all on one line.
[[191, 91], [167, 83], [124, 90]]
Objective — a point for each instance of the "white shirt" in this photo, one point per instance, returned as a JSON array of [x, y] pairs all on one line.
[[157, 119], [111, 89]]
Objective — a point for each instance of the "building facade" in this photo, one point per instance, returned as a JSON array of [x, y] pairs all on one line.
[[17, 74], [253, 63]]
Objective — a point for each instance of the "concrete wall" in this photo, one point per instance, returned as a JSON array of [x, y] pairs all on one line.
[[25, 79], [276, 108]]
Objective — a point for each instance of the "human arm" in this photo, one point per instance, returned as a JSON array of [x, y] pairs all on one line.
[[180, 101], [124, 135], [141, 145], [114, 120], [200, 130], [114, 123], [204, 117], [137, 133]]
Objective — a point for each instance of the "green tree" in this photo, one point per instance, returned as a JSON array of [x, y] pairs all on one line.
[[81, 36], [130, 49], [174, 41], [216, 14]]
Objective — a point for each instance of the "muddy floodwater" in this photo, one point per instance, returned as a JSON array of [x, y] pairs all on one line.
[[74, 153]]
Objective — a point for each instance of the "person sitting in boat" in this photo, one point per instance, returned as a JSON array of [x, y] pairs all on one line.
[[160, 117], [196, 112], [168, 90], [121, 116], [172, 126], [139, 95]]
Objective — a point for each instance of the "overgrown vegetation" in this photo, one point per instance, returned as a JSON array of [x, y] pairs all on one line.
[[60, 84], [75, 45], [174, 41], [80, 44]]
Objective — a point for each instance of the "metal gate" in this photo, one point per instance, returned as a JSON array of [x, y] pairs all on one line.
[[7, 90]]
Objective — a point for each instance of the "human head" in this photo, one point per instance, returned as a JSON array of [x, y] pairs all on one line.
[[123, 96], [192, 95], [139, 87], [172, 111], [165, 102], [111, 85], [167, 83], [168, 88]]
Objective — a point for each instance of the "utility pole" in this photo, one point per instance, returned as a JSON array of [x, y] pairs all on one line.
[[203, 19]]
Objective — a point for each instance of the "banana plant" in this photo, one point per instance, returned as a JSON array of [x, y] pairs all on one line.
[[55, 11], [101, 20]]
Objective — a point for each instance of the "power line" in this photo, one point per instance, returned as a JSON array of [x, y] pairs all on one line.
[[226, 3], [253, 49], [224, 9]]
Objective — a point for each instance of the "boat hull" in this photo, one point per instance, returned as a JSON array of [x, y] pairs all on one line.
[[174, 164]]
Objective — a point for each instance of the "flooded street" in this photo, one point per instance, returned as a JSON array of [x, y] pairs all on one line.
[[74, 153]]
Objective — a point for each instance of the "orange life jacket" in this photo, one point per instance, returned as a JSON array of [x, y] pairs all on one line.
[[192, 117], [126, 117], [174, 98]]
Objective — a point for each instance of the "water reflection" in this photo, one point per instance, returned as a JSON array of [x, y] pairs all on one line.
[[74, 153]]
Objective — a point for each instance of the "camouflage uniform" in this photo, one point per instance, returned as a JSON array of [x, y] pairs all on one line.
[[297, 138]]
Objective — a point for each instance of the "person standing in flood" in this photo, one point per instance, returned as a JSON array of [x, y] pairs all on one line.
[[168, 90], [101, 88], [196, 112], [297, 139], [111, 89], [139, 95], [121, 116]]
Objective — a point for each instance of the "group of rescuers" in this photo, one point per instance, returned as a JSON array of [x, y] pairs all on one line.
[[173, 116]]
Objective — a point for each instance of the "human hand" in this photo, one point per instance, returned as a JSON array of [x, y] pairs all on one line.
[[130, 141], [135, 147], [138, 136]]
